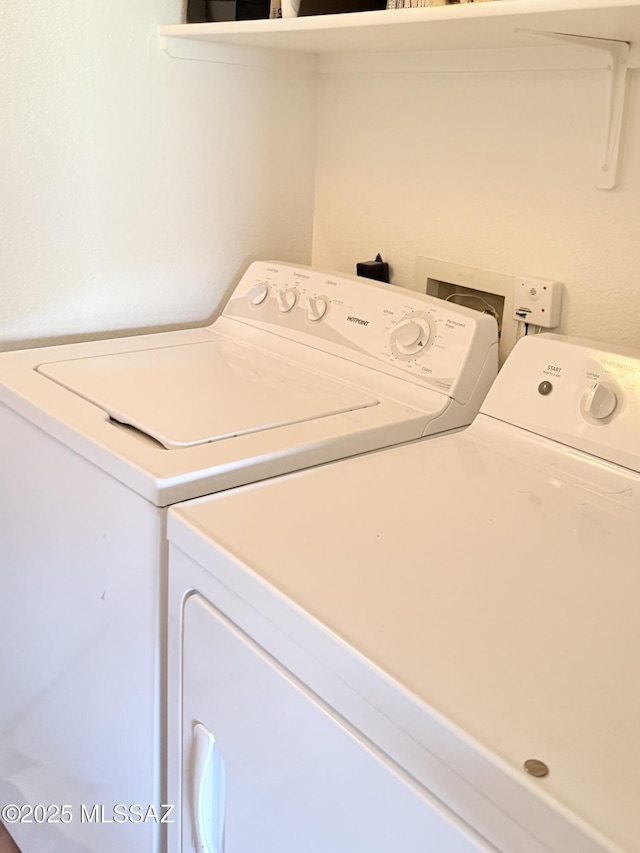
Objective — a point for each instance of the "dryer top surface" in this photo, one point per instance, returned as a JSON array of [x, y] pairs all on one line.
[[495, 581]]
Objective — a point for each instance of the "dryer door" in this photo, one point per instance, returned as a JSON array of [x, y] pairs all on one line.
[[268, 767]]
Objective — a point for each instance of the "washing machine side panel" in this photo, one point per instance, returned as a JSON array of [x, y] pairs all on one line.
[[80, 570], [267, 766]]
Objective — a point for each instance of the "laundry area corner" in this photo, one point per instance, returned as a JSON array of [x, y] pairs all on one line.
[[319, 396]]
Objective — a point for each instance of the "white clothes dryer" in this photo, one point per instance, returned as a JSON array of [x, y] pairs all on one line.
[[456, 620], [98, 438]]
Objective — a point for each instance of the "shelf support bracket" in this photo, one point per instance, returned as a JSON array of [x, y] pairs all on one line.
[[607, 176]]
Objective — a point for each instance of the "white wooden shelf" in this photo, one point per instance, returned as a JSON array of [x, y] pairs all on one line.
[[493, 36], [492, 26]]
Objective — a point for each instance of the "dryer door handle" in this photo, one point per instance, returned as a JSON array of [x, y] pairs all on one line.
[[208, 792]]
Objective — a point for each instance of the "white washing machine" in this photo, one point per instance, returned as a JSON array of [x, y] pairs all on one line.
[[99, 438], [430, 647]]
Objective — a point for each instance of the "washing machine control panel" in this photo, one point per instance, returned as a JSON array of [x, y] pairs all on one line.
[[573, 391], [402, 332]]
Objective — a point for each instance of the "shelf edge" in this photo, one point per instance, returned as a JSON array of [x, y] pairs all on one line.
[[233, 54]]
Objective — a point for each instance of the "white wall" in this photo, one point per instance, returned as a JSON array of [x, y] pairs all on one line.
[[135, 186], [494, 170]]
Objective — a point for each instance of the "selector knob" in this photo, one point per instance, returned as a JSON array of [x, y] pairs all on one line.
[[286, 300], [316, 308], [600, 401], [410, 336], [258, 293]]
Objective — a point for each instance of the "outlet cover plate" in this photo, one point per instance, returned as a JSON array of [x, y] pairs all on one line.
[[486, 283]]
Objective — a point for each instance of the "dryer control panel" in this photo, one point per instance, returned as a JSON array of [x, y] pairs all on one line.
[[581, 393], [398, 331]]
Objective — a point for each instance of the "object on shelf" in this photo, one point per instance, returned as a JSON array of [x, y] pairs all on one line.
[[336, 7], [414, 4], [197, 11], [221, 10], [290, 8], [201, 11], [252, 10], [419, 4]]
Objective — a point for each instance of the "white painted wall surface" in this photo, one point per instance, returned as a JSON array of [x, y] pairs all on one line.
[[493, 170], [135, 186]]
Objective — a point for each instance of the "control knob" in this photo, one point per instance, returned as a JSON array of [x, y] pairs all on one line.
[[411, 336], [286, 300], [258, 293], [600, 401], [316, 308]]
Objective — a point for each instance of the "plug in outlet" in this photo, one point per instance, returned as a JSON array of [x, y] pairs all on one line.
[[537, 301]]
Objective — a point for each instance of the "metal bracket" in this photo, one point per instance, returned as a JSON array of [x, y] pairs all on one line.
[[607, 176]]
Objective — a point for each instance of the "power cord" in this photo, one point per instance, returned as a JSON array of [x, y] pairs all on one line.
[[489, 307], [527, 329]]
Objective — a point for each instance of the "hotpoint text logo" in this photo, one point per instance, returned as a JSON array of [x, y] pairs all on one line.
[[358, 321]]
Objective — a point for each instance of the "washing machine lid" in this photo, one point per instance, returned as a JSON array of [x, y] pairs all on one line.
[[202, 392]]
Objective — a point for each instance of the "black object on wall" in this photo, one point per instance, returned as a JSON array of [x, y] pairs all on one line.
[[378, 270]]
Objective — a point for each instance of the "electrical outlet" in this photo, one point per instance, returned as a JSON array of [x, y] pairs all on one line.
[[537, 301]]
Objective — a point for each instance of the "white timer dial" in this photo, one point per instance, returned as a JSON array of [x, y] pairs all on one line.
[[410, 336], [257, 294], [286, 300]]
